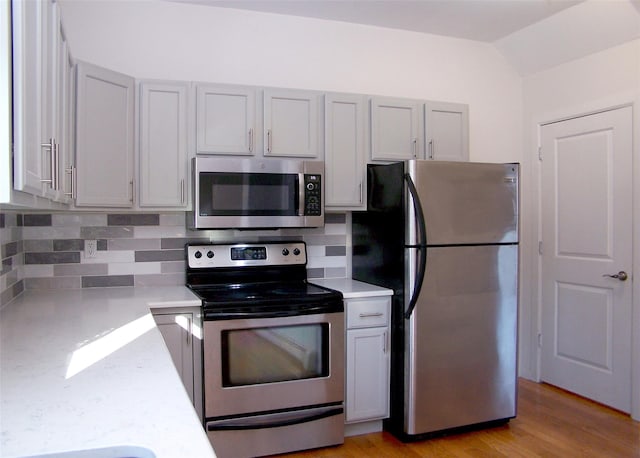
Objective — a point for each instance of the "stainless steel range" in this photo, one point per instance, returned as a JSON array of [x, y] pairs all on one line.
[[273, 349]]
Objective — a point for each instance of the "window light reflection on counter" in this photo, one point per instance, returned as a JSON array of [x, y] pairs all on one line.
[[99, 349]]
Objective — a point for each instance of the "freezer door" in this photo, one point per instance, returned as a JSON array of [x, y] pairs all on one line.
[[465, 202], [461, 340]]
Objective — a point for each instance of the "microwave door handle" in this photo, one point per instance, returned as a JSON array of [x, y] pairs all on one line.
[[301, 194]]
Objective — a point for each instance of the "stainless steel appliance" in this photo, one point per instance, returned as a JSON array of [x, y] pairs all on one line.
[[273, 349], [444, 237], [252, 194]]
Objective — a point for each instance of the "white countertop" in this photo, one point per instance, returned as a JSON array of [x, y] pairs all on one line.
[[88, 368], [351, 289]]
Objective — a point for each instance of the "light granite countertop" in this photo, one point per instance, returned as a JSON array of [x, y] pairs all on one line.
[[351, 289], [88, 368]]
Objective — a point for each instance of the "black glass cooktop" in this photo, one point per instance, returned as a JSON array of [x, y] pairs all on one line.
[[258, 298]]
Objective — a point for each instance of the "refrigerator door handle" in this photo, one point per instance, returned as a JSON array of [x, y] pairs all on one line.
[[421, 246]]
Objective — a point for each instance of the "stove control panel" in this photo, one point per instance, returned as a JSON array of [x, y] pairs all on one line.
[[246, 254]]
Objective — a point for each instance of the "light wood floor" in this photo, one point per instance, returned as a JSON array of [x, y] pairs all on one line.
[[550, 423]]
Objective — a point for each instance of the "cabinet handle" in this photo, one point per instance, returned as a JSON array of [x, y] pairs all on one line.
[[268, 140], [415, 147], [385, 347], [71, 170], [51, 147], [182, 191], [431, 149], [55, 173], [372, 314], [360, 186], [251, 140], [189, 329], [132, 195]]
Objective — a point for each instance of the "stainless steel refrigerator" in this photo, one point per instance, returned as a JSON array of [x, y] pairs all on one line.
[[444, 237]]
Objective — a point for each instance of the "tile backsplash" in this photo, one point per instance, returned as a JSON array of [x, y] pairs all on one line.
[[11, 249], [47, 250]]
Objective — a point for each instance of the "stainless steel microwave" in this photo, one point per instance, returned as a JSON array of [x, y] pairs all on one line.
[[255, 194]]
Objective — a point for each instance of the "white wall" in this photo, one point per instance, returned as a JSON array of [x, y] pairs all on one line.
[[599, 81], [152, 39]]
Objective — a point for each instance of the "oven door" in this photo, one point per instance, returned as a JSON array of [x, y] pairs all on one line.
[[266, 364]]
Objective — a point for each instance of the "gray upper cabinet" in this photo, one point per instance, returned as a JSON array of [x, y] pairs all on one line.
[[104, 137], [164, 146], [446, 127], [395, 129], [225, 119], [292, 123], [345, 178], [35, 28]]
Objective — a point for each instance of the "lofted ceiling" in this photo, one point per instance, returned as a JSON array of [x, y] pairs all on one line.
[[480, 20], [533, 35]]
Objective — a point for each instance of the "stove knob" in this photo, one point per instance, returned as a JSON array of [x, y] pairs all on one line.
[[296, 251], [285, 252], [197, 255], [209, 254]]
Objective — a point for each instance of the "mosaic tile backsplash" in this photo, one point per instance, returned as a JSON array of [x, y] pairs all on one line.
[[47, 250]]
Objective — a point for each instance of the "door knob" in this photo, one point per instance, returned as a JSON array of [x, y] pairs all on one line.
[[622, 275]]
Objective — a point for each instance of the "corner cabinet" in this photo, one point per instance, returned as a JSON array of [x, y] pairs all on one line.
[[104, 137], [345, 179], [292, 123], [226, 120], [446, 127], [41, 99], [180, 329], [395, 129], [164, 147], [368, 358]]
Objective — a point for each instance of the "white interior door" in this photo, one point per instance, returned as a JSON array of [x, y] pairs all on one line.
[[586, 235]]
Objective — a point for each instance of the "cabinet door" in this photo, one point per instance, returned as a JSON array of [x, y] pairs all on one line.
[[344, 151], [52, 98], [164, 151], [65, 116], [367, 387], [395, 125], [225, 120], [291, 123], [30, 82], [104, 137], [177, 334], [446, 128]]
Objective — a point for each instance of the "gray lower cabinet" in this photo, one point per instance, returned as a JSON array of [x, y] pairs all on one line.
[[446, 131], [181, 330], [368, 358], [104, 137]]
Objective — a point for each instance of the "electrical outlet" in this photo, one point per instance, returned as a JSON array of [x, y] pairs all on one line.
[[90, 248]]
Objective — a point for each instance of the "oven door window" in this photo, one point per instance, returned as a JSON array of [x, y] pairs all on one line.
[[248, 194], [274, 354]]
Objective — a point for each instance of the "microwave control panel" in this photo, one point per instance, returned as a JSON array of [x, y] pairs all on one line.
[[312, 195]]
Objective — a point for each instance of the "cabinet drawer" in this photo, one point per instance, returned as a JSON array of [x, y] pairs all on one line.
[[363, 313]]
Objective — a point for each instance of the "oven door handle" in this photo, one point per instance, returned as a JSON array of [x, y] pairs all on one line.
[[312, 310], [276, 420]]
